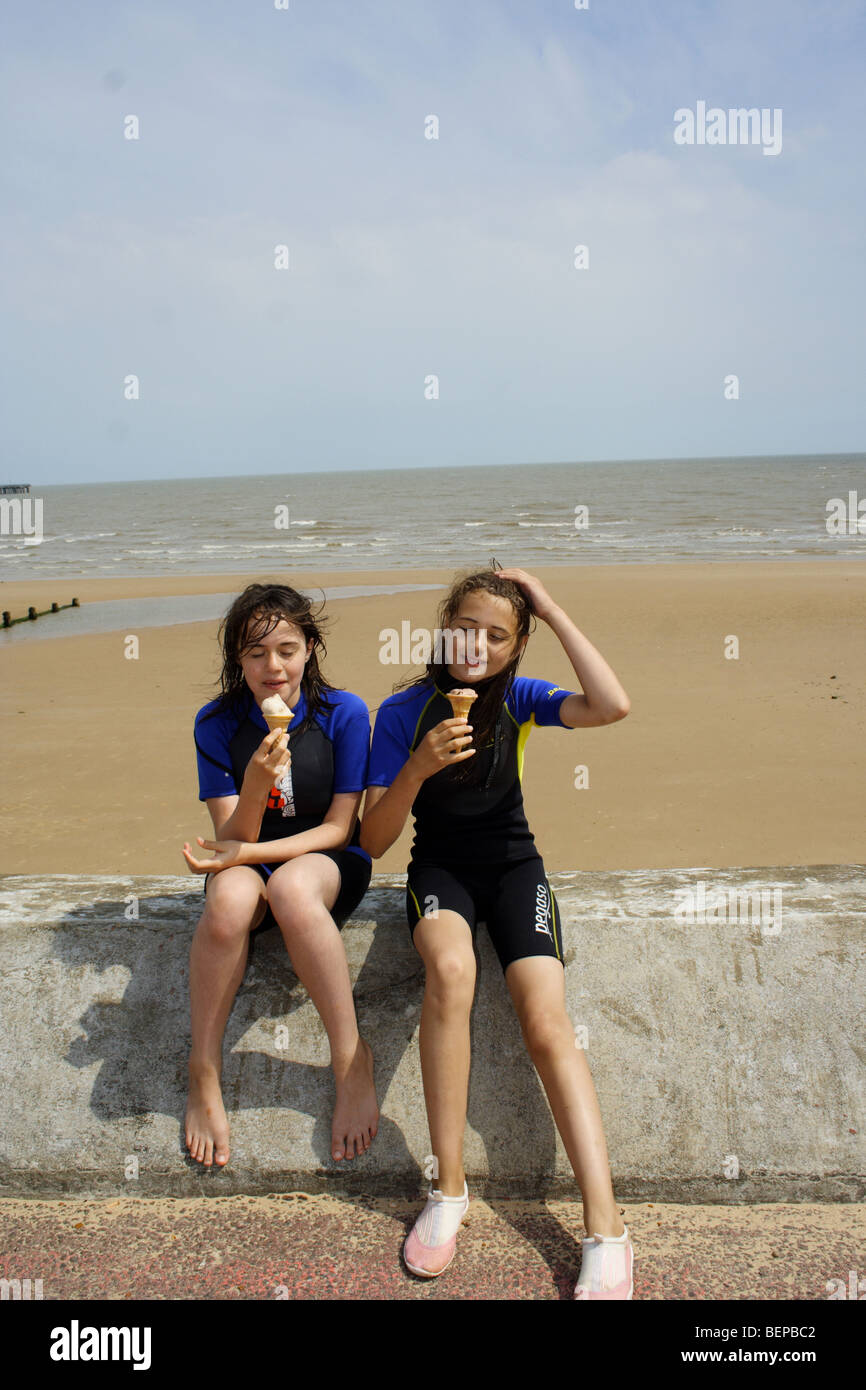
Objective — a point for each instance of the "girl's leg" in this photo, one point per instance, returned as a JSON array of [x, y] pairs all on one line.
[[537, 986], [301, 893], [235, 903], [444, 943]]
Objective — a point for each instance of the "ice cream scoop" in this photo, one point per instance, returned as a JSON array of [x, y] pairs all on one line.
[[276, 712], [460, 701]]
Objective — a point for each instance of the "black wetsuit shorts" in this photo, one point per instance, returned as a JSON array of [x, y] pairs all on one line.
[[355, 874], [514, 899]]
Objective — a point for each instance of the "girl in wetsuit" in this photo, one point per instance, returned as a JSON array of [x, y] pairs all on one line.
[[473, 857], [286, 852]]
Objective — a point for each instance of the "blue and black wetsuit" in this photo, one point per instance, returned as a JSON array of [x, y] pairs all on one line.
[[473, 851], [329, 755]]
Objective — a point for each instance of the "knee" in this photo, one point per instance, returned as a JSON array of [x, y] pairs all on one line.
[[451, 978], [287, 905], [295, 899], [228, 914], [547, 1036]]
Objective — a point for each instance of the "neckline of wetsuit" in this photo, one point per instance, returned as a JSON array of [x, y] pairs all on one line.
[[445, 682]]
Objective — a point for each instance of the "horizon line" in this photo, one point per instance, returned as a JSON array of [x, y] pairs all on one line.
[[436, 467]]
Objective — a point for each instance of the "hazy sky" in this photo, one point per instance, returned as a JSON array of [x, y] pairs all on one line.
[[410, 256]]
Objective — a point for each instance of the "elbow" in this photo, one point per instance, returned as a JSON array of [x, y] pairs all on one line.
[[619, 711], [369, 844]]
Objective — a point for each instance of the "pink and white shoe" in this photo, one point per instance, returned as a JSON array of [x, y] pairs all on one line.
[[430, 1245], [606, 1268]]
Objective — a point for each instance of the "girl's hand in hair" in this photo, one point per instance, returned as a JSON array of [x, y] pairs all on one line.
[[445, 744], [268, 763], [540, 601]]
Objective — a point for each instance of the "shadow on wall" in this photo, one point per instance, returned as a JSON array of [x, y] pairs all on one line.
[[142, 1041]]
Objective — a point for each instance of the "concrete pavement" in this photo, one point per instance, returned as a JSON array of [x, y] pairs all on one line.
[[297, 1246]]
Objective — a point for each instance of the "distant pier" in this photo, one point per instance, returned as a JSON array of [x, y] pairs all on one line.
[[14, 489]]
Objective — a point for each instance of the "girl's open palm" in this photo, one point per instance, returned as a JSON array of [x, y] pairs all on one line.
[[226, 854]]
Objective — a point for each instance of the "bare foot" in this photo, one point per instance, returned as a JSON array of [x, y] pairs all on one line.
[[356, 1114], [207, 1129]]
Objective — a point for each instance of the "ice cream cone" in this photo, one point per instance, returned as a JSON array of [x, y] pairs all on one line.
[[461, 701], [279, 721], [276, 712]]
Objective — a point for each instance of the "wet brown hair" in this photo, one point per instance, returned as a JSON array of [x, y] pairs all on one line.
[[487, 710], [253, 615]]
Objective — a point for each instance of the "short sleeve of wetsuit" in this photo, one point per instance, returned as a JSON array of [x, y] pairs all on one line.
[[392, 738], [350, 735], [213, 733], [539, 700]]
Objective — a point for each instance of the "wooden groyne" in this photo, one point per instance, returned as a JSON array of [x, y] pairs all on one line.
[[32, 614]]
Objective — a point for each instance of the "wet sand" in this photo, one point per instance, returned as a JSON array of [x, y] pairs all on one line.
[[754, 761]]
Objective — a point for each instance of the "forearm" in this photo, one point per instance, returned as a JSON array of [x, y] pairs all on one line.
[[599, 684], [383, 823], [328, 835], [245, 821]]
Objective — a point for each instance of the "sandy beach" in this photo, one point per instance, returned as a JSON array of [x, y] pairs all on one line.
[[753, 761]]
